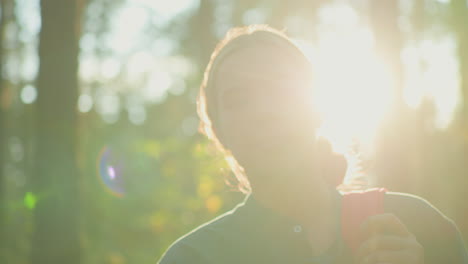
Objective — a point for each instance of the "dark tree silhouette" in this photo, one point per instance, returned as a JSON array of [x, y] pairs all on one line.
[[395, 143], [55, 183], [459, 21], [3, 208]]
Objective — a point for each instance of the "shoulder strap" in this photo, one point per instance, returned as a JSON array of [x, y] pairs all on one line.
[[356, 208]]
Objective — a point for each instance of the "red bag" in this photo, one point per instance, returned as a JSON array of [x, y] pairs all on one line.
[[356, 208]]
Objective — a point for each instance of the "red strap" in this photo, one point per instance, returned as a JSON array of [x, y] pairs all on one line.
[[356, 208]]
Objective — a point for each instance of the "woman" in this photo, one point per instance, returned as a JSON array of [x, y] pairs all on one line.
[[255, 104]]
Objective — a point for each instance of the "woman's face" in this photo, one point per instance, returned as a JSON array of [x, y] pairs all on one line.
[[264, 107]]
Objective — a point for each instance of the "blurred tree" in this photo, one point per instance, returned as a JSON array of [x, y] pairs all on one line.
[[202, 33], [394, 142], [459, 23], [15, 218], [384, 16], [57, 212], [239, 9], [3, 201]]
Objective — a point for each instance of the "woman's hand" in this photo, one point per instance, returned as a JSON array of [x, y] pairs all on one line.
[[387, 240]]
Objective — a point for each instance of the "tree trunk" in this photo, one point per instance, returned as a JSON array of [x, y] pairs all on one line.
[[384, 19], [56, 218], [3, 202], [460, 20], [203, 30], [460, 13], [395, 145]]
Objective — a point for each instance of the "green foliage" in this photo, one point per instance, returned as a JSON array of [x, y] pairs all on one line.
[[171, 179]]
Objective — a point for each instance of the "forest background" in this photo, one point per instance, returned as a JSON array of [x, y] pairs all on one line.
[[100, 159]]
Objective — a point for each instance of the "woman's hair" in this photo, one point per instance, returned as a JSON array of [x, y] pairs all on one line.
[[235, 39]]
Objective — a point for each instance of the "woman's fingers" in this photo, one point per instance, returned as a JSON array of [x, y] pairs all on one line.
[[391, 256], [384, 224], [388, 241], [382, 242]]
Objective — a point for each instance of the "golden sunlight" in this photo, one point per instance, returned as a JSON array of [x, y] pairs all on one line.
[[353, 89]]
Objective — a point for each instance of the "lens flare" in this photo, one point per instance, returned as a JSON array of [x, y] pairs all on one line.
[[110, 172]]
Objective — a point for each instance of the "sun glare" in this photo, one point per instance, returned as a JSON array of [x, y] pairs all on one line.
[[353, 88], [353, 93]]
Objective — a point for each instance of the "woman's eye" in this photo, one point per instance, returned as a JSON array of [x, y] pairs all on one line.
[[240, 98]]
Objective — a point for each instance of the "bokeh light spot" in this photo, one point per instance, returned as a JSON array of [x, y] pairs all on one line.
[[110, 171], [158, 221], [30, 200], [28, 94], [213, 203], [85, 103]]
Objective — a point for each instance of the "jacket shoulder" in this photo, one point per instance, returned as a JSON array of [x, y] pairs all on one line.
[[438, 234], [200, 244]]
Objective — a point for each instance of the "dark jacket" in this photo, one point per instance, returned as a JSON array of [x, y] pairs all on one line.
[[250, 233]]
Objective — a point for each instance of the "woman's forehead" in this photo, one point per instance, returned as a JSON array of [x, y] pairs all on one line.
[[260, 63], [260, 57]]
